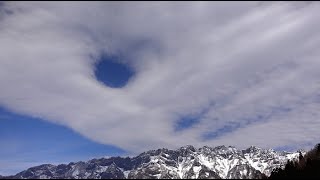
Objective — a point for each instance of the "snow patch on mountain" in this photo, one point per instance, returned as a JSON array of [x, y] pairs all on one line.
[[184, 163]]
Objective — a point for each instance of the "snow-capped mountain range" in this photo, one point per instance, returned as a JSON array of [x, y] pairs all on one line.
[[184, 163]]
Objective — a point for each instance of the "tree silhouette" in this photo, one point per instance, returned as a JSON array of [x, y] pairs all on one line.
[[308, 166]]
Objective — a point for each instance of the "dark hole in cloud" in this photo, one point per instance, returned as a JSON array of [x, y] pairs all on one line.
[[221, 131], [186, 122], [189, 121], [112, 73]]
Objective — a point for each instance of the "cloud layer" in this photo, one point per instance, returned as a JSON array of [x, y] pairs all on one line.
[[248, 70]]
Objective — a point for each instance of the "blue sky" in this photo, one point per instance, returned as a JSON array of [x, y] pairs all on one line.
[[82, 80], [28, 141], [111, 72]]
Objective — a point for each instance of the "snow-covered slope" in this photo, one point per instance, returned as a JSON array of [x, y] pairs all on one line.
[[185, 162]]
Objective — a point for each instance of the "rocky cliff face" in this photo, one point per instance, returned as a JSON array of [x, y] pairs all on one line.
[[184, 163]]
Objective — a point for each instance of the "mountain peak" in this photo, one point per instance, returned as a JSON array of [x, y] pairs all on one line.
[[185, 162], [251, 149], [190, 147]]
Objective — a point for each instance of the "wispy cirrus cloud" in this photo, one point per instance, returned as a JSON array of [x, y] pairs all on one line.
[[250, 64]]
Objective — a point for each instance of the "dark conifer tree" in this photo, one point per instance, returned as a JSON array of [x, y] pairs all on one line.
[[308, 166]]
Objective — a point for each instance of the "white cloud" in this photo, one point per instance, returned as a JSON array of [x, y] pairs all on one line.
[[246, 58]]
